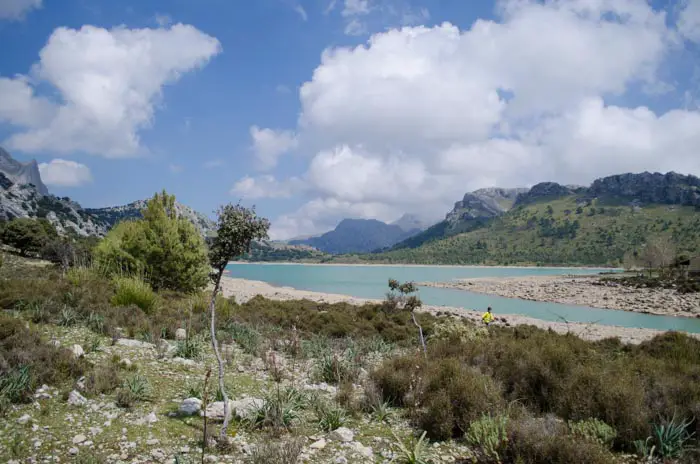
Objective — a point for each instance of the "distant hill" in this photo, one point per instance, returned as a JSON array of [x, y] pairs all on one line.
[[556, 224], [412, 223], [276, 251], [357, 236]]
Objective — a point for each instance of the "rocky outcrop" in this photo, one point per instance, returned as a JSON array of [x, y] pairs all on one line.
[[650, 188], [21, 173], [112, 215], [411, 223], [483, 204], [543, 191]]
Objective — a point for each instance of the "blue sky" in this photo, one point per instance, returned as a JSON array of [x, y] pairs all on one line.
[[405, 104]]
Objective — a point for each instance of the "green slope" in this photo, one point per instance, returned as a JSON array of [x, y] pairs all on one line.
[[559, 231]]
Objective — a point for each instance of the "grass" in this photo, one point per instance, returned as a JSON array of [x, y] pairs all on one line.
[[133, 291]]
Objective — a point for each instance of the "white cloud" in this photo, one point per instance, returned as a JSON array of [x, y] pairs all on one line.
[[302, 12], [17, 9], [418, 116], [355, 27], [64, 173], [269, 145], [266, 186], [689, 20], [109, 82], [355, 7], [163, 20]]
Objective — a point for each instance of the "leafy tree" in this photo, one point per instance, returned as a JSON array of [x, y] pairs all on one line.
[[236, 229], [28, 235], [401, 297], [69, 251], [166, 248]]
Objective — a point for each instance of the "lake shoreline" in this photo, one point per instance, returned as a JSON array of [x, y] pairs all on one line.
[[243, 290], [581, 291], [458, 266]]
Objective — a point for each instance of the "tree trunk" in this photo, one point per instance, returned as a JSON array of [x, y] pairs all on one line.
[[215, 344], [420, 332]]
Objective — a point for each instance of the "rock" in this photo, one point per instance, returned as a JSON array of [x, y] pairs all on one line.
[[125, 362], [73, 451], [244, 407], [158, 455], [190, 406], [134, 343], [24, 419], [151, 418], [215, 410], [362, 450], [180, 334], [186, 362], [79, 439], [152, 442], [77, 351], [318, 445], [343, 434], [341, 460], [76, 399]]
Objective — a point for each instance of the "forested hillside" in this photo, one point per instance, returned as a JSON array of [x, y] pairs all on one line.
[[568, 230]]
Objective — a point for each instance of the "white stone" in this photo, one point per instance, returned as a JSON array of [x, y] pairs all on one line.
[[79, 439], [126, 362], [244, 407], [76, 399], [77, 351], [134, 343], [73, 451], [362, 450], [215, 410], [158, 455], [341, 460], [180, 334], [343, 434], [24, 419], [152, 441], [186, 362], [190, 406], [320, 444], [151, 418]]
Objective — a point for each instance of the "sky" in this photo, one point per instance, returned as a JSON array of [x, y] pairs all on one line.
[[319, 110]]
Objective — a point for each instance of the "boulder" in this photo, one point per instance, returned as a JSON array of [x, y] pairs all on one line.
[[77, 351], [318, 445], [79, 439], [180, 334], [362, 450], [244, 407], [190, 406], [342, 434], [76, 399]]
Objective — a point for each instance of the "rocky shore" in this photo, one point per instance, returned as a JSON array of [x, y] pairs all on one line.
[[583, 290], [243, 290]]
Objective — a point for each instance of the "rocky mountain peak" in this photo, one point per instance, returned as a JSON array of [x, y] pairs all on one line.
[[543, 191], [22, 173], [646, 188]]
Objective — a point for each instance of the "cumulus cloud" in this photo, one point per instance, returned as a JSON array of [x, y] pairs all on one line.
[[64, 173], [416, 117], [266, 186], [109, 83], [689, 20], [269, 145], [17, 9]]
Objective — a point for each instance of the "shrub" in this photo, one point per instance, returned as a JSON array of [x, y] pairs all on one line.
[[490, 434], [167, 248], [247, 338], [284, 452], [138, 386], [412, 450], [280, 410], [669, 440], [133, 291], [28, 235], [190, 348], [125, 398], [102, 380], [546, 440], [593, 430], [329, 416], [335, 369], [395, 378], [26, 361]]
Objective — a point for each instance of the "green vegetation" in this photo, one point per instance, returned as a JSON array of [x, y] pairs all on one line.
[[28, 236], [558, 232], [162, 246]]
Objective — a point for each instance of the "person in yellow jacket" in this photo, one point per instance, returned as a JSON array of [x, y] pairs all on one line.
[[487, 317]]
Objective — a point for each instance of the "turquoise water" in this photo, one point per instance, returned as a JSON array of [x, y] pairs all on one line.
[[371, 282]]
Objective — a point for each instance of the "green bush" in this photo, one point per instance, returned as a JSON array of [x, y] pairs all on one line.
[[191, 348], [490, 435], [166, 248], [593, 430], [133, 291], [28, 235], [27, 361]]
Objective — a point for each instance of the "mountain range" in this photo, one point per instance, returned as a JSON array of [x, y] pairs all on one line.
[[23, 194], [362, 235]]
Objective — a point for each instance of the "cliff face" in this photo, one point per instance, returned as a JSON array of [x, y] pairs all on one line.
[[22, 173], [483, 204], [649, 188]]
